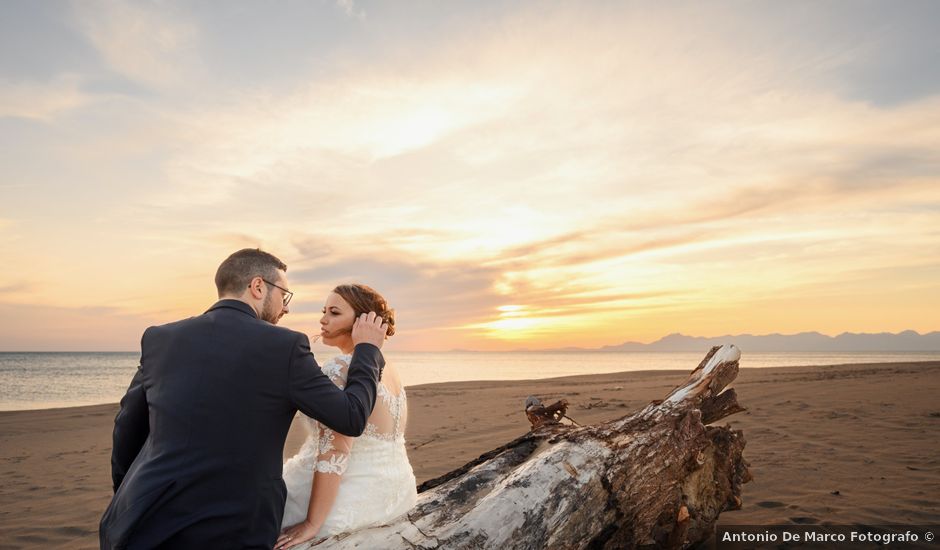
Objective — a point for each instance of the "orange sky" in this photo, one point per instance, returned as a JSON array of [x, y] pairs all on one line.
[[542, 176]]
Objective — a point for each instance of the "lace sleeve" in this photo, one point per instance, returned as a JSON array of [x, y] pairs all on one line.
[[333, 449]]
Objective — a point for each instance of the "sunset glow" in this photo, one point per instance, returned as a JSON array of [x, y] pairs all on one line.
[[509, 176]]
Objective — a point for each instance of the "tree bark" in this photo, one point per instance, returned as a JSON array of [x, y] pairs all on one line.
[[658, 478]]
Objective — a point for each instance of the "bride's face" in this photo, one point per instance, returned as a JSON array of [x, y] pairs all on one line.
[[337, 321]]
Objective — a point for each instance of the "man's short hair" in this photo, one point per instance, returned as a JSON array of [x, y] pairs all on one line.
[[240, 268]]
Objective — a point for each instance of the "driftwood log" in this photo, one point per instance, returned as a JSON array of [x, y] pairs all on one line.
[[654, 479]]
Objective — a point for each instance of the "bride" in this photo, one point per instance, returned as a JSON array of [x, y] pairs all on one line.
[[337, 483]]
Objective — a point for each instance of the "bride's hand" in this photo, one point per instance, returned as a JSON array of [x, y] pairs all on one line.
[[296, 534]]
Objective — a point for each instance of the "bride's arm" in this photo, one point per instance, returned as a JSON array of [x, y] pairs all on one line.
[[332, 456], [327, 475]]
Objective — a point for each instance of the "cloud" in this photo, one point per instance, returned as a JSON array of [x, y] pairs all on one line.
[[16, 288], [42, 101], [566, 123], [425, 295], [145, 42], [350, 9]]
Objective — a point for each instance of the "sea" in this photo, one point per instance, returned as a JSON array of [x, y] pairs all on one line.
[[42, 380]]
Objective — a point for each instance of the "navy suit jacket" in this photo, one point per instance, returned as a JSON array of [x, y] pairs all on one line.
[[199, 439]]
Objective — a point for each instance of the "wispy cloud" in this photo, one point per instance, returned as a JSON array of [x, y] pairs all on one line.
[[145, 42], [16, 288], [427, 294], [42, 101], [350, 9]]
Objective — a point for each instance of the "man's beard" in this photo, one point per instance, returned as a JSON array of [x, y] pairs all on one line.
[[268, 312]]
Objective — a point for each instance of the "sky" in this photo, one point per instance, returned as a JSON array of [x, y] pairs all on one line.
[[508, 174]]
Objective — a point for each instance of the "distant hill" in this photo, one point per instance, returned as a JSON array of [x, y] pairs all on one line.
[[804, 341]]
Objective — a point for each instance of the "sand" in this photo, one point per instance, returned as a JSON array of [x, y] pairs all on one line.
[[828, 444]]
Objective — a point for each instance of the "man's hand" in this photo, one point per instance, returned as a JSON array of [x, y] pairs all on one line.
[[369, 328]]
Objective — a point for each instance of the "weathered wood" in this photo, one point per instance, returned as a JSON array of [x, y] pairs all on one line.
[[720, 406], [657, 478], [540, 415]]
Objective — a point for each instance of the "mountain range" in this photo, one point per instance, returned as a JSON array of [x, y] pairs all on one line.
[[908, 340]]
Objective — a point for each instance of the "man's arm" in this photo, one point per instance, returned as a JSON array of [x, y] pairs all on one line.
[[131, 428], [311, 391]]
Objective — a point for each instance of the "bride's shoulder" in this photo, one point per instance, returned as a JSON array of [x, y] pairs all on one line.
[[337, 367]]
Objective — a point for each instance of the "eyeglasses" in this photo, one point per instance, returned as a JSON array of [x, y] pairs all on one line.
[[287, 294]]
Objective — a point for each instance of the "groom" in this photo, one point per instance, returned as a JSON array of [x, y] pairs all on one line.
[[198, 441]]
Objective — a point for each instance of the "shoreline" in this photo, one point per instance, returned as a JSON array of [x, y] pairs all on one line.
[[519, 381], [847, 443]]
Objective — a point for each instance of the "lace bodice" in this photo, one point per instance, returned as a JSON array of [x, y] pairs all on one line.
[[376, 482], [393, 428], [386, 424]]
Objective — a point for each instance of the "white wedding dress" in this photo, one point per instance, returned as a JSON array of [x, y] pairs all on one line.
[[377, 483]]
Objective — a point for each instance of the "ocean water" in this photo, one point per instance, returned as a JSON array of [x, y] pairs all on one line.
[[65, 379]]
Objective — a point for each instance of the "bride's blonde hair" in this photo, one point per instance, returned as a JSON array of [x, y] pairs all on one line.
[[364, 299]]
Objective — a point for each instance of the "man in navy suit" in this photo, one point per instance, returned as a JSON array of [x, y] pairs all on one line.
[[199, 439]]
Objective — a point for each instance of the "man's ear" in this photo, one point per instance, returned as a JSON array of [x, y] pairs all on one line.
[[256, 288]]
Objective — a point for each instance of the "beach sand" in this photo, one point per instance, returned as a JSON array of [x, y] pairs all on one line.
[[829, 444]]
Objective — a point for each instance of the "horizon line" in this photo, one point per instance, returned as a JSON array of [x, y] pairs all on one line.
[[604, 347]]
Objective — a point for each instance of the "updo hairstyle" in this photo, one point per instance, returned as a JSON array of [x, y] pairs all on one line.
[[364, 299]]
